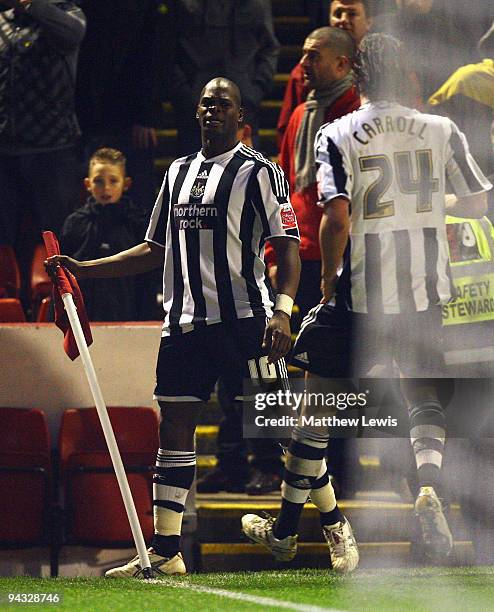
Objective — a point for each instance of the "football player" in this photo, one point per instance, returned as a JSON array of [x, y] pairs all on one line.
[[382, 174]]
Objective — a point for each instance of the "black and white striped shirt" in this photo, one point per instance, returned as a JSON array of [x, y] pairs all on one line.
[[213, 217], [394, 165]]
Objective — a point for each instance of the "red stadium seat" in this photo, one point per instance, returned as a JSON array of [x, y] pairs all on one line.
[[39, 281], [94, 508], [25, 477], [11, 311], [10, 277], [43, 315]]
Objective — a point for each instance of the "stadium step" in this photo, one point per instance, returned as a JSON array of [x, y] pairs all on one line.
[[270, 110], [282, 8], [370, 471], [374, 519], [205, 463], [289, 57], [373, 555], [279, 84], [291, 29], [206, 441]]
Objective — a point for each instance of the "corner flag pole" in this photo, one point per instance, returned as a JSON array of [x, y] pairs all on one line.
[[69, 321], [111, 442]]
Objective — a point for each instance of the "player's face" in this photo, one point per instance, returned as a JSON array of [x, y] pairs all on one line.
[[106, 182], [320, 64], [218, 112], [350, 16]]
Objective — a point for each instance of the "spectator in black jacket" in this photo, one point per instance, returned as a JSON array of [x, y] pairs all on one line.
[[122, 65], [108, 223], [39, 41], [234, 38]]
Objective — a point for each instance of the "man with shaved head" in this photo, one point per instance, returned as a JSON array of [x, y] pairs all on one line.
[[326, 67], [214, 212], [353, 16]]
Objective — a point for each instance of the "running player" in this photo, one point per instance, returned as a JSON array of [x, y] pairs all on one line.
[[382, 174], [214, 212]]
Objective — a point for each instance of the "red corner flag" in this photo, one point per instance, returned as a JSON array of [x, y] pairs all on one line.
[[66, 283]]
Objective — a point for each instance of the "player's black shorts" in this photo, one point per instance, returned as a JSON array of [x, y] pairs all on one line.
[[339, 344], [189, 364]]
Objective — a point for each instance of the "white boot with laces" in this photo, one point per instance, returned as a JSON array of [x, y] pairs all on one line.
[[160, 566], [260, 531], [343, 549], [438, 541]]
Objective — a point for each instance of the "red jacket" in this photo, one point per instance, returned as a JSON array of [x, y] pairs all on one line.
[[295, 93], [304, 202]]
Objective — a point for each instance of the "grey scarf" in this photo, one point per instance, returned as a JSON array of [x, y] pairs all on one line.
[[315, 110]]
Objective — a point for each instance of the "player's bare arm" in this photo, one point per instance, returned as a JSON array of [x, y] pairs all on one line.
[[333, 237], [277, 337], [141, 258], [470, 207]]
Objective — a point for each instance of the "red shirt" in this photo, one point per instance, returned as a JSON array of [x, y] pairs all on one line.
[[304, 202]]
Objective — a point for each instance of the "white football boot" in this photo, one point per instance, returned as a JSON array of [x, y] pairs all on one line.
[[438, 540], [343, 549], [160, 566], [260, 531]]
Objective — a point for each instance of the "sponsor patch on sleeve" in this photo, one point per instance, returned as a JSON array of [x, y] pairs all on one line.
[[288, 219]]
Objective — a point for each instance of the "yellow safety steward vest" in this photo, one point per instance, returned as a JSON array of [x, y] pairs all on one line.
[[474, 81], [468, 321]]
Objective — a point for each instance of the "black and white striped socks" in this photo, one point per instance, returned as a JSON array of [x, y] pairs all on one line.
[[427, 434], [172, 480], [305, 473]]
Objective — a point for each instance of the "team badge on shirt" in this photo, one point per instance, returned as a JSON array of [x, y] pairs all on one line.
[[288, 219], [199, 186], [197, 191]]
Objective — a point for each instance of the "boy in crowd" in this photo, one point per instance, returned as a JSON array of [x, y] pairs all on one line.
[[108, 223]]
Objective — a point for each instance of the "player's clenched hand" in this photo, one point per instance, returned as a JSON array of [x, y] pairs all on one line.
[[277, 336], [53, 262]]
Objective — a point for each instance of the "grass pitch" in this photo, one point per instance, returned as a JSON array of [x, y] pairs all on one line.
[[420, 590]]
